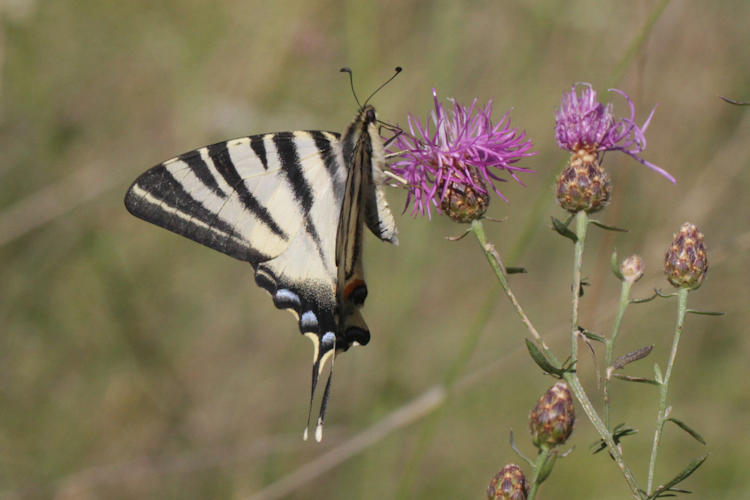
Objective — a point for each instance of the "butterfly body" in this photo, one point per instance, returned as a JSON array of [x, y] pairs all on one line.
[[293, 205]]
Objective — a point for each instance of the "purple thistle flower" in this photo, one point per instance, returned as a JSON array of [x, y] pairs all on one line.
[[460, 153], [583, 123]]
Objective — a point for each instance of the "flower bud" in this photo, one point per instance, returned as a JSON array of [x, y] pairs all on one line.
[[508, 484], [583, 184], [632, 268], [551, 421], [465, 202], [685, 262]]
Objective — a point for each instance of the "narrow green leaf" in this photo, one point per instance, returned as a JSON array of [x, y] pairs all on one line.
[[546, 468], [542, 361], [643, 301], [664, 295], [682, 425], [593, 336], [563, 230], [460, 236], [686, 472], [657, 374], [706, 313], [615, 266], [518, 452], [569, 366], [620, 431], [606, 227], [630, 378], [516, 270], [631, 357], [600, 445]]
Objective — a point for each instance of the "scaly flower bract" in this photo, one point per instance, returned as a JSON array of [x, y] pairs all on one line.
[[583, 123], [461, 152]]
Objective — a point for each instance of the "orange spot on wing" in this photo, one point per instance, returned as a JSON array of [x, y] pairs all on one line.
[[351, 286]]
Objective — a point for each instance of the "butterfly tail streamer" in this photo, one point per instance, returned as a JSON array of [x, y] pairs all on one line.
[[324, 404], [327, 350], [315, 372]]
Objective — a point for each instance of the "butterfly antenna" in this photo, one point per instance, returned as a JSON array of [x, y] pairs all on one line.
[[351, 83], [396, 70]]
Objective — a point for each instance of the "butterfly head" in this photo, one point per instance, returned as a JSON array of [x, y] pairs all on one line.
[[368, 114]]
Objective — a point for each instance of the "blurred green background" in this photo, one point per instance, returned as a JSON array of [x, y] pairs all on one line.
[[136, 364]]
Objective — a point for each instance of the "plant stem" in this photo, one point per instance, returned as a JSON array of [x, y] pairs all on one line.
[[614, 451], [624, 301], [497, 265], [662, 413], [582, 220], [541, 459], [572, 377]]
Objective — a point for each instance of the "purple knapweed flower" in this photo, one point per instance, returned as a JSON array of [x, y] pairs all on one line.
[[584, 125], [450, 163]]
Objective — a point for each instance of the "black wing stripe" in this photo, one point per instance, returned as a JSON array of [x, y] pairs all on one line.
[[223, 164], [176, 210], [292, 168], [199, 167], [259, 147], [328, 155]]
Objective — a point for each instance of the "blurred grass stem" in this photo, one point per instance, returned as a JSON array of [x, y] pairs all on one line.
[[636, 45], [661, 415]]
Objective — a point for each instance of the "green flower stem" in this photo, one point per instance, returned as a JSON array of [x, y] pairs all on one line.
[[541, 458], [582, 221], [596, 421], [497, 265], [661, 415], [571, 377], [624, 301]]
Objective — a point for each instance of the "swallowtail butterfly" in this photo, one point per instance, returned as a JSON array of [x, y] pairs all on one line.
[[293, 205]]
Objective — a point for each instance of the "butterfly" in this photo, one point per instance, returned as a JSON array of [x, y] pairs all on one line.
[[293, 205]]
